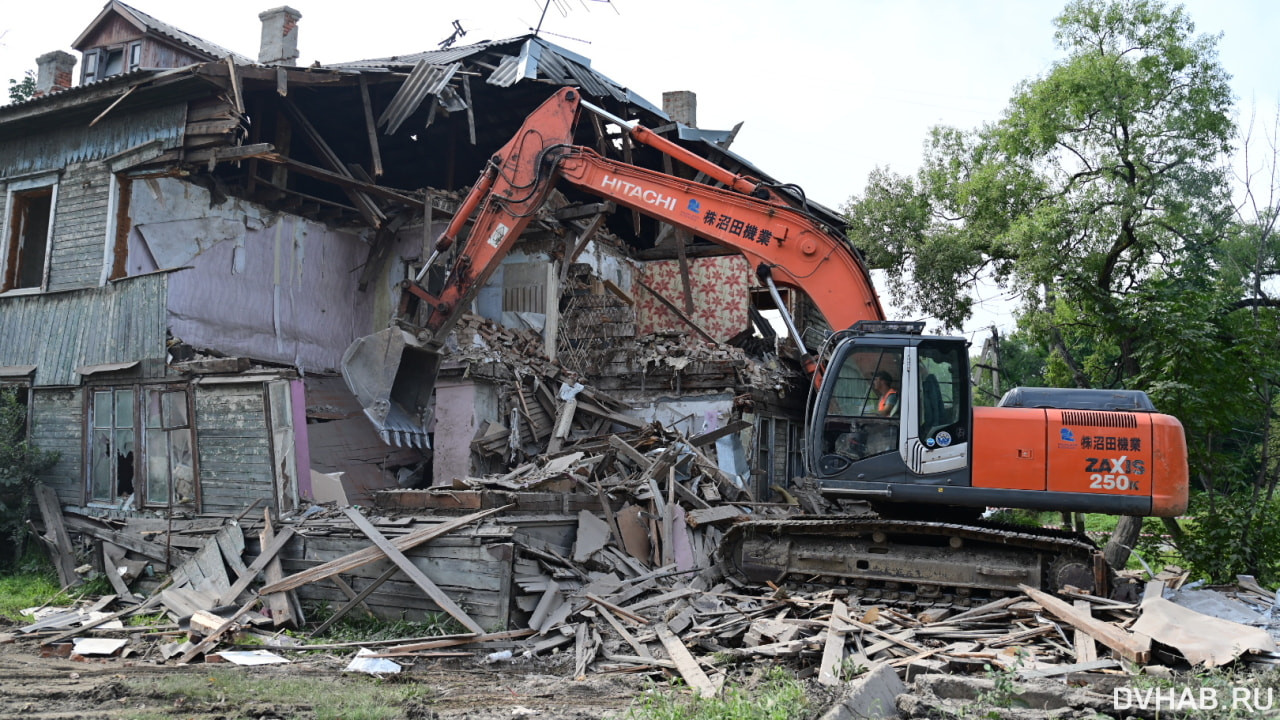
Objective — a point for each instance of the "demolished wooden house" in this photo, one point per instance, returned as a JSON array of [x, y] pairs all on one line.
[[192, 239]]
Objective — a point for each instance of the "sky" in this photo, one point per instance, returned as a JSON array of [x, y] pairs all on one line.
[[827, 90]]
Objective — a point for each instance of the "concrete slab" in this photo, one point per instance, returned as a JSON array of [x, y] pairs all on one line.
[[870, 696]]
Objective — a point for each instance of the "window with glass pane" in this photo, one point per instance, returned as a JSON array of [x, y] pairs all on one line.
[[111, 445], [862, 417], [944, 392]]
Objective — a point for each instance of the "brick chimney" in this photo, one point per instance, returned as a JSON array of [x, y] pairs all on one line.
[[279, 36], [681, 106], [53, 72]]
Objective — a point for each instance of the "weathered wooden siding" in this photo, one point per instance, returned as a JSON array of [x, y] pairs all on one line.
[[80, 227], [77, 142], [112, 31], [234, 447], [158, 55], [469, 567], [59, 332], [57, 424]]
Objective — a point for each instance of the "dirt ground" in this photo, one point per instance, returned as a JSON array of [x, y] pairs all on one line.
[[54, 688]]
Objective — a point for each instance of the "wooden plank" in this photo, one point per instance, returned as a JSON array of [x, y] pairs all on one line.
[[1130, 646], [278, 603], [687, 666], [641, 649], [640, 620], [899, 639], [230, 540], [345, 589], [1103, 664], [264, 557], [154, 551], [713, 515], [147, 605], [435, 593], [629, 452], [51, 513], [369, 210], [354, 560], [371, 130], [711, 436], [213, 637], [833, 651], [355, 600], [111, 567], [1086, 650], [454, 641]]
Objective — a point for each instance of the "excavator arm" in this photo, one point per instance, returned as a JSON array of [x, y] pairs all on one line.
[[796, 249], [392, 372]]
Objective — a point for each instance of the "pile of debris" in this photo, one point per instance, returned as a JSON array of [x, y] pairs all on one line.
[[625, 581], [602, 558]]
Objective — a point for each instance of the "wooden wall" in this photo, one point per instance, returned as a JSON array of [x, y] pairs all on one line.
[[234, 447], [80, 227], [57, 424]]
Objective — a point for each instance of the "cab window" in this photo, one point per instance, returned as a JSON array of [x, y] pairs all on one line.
[[864, 406]]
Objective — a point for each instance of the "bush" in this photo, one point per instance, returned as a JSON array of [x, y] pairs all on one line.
[[1237, 535], [20, 466]]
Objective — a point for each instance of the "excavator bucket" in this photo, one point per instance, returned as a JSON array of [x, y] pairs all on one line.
[[392, 374]]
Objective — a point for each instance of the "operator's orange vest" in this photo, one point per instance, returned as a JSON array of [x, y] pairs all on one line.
[[884, 400]]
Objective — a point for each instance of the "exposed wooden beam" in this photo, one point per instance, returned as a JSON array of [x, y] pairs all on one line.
[[372, 214], [345, 181], [370, 128]]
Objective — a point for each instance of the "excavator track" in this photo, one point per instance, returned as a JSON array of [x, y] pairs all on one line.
[[912, 561]]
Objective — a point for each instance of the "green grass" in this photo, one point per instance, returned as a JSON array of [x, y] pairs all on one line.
[[1236, 692], [32, 584], [270, 692], [356, 626], [772, 695]]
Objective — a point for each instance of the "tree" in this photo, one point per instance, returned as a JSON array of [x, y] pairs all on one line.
[[20, 467], [23, 89], [1098, 197]]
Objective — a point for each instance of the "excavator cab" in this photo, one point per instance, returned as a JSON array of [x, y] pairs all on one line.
[[894, 408]]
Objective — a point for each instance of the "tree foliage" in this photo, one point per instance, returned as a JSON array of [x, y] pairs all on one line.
[[1102, 197], [20, 466], [23, 89]]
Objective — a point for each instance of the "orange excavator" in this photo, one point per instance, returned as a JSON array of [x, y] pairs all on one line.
[[891, 420]]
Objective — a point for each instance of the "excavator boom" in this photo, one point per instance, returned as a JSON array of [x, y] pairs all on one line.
[[393, 370], [891, 421]]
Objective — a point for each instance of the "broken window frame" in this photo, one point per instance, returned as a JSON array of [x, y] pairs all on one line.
[[97, 60], [160, 420], [16, 243]]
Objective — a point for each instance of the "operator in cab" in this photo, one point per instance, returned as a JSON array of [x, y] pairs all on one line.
[[882, 383]]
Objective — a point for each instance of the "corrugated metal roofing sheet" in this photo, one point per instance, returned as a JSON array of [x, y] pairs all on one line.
[[526, 57], [432, 57], [425, 81], [182, 37]]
